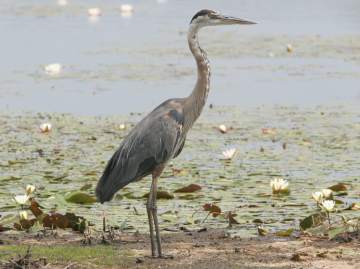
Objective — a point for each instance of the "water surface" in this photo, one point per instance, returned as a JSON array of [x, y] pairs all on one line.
[[116, 65]]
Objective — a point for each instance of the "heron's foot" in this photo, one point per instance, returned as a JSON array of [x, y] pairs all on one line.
[[164, 256], [153, 255]]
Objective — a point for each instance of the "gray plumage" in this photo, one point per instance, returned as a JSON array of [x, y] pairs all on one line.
[[154, 140], [161, 135]]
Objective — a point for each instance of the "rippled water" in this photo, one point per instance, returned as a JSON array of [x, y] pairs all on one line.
[[117, 65]]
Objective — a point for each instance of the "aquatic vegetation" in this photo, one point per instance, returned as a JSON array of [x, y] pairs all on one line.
[[73, 157], [229, 154], [79, 197], [262, 231], [45, 127], [328, 205], [29, 189], [189, 188], [318, 196], [126, 8], [327, 193], [62, 3], [94, 12], [213, 209], [53, 69], [23, 215], [289, 48], [268, 131], [326, 200], [21, 199], [279, 186], [222, 128]]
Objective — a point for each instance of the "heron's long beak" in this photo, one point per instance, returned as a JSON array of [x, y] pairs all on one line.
[[233, 20]]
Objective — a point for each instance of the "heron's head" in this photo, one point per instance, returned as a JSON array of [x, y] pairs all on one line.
[[207, 17]]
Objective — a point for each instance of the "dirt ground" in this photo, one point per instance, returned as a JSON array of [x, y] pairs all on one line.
[[205, 249]]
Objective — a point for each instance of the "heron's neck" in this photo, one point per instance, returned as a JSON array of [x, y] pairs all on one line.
[[196, 100]]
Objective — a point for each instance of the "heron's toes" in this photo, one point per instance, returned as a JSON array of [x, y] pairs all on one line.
[[152, 256], [163, 256]]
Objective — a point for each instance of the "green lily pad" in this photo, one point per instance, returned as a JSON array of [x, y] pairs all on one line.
[[8, 219], [313, 220], [336, 231], [285, 233], [78, 197]]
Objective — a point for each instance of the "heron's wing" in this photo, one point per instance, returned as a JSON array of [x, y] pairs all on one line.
[[153, 141]]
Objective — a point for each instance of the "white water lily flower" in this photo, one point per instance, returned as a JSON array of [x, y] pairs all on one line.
[[222, 128], [229, 153], [328, 205], [279, 185], [29, 189], [21, 199], [62, 2], [126, 8], [318, 196], [94, 11], [23, 214], [122, 126], [262, 230], [326, 193], [45, 127], [289, 48], [53, 69]]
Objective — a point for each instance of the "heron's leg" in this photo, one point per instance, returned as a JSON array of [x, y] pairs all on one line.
[[156, 174], [154, 213], [151, 224]]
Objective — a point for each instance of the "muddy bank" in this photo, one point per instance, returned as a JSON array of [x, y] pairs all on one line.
[[206, 249]]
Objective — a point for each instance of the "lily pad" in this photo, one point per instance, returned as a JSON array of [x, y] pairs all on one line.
[[190, 196], [8, 219], [161, 195], [4, 229], [285, 233], [336, 231], [213, 209], [78, 197], [189, 188], [313, 220], [338, 187]]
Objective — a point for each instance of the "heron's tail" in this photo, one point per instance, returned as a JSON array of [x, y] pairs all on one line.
[[113, 179], [103, 191]]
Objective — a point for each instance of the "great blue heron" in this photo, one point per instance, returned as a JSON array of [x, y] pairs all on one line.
[[160, 136]]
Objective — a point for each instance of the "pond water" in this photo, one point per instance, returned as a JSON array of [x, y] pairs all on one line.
[[117, 65]]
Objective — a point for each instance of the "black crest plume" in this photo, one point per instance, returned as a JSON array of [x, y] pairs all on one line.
[[201, 13]]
